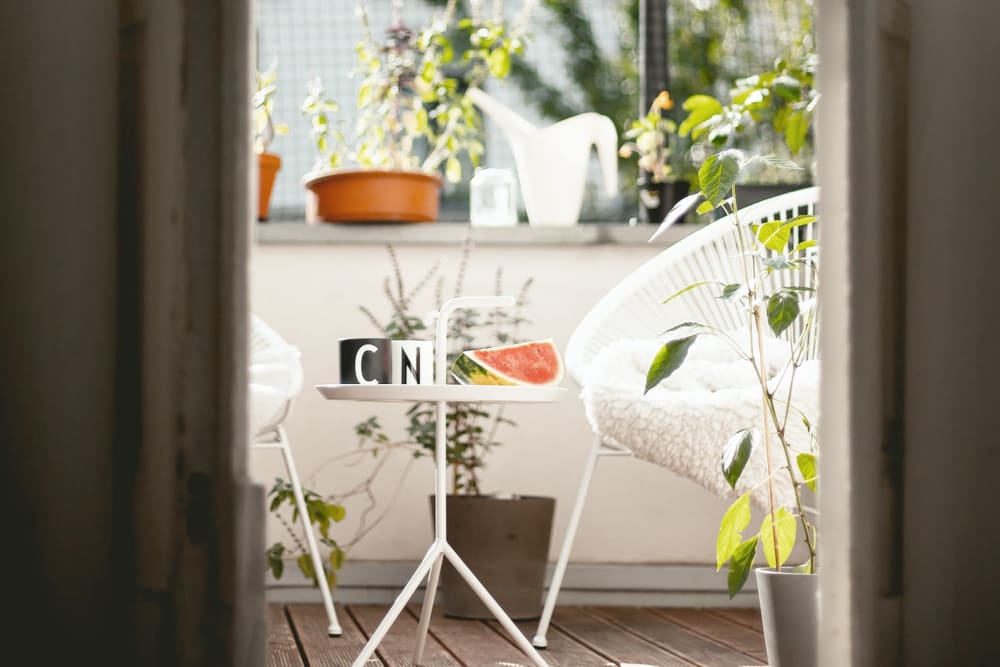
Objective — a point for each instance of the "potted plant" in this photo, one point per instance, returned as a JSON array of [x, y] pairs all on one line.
[[787, 308], [666, 173], [503, 538], [415, 120], [265, 129]]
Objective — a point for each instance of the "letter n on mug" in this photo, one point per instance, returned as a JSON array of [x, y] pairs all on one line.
[[365, 360], [412, 362]]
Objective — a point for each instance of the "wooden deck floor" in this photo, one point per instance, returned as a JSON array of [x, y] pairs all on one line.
[[579, 637]]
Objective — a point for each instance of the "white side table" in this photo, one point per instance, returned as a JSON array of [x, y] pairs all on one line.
[[442, 394]]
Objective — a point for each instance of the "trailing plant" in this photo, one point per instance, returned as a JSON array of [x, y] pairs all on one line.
[[321, 514], [471, 428], [265, 129], [787, 308]]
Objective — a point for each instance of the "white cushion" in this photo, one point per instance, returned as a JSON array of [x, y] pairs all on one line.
[[683, 423]]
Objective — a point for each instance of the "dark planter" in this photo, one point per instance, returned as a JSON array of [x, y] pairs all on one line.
[[505, 542], [656, 199]]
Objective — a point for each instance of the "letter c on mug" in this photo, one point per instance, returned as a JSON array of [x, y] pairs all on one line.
[[358, 358]]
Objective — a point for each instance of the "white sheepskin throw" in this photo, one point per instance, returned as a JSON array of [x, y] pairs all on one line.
[[684, 423]]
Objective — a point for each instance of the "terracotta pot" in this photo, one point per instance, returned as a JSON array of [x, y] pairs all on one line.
[[373, 195], [267, 168]]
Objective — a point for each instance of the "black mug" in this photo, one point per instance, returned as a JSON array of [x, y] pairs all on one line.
[[365, 361]]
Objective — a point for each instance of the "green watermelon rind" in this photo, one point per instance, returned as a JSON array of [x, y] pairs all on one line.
[[468, 370]]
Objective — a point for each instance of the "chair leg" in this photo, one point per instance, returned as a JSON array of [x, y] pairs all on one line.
[[540, 640], [334, 629]]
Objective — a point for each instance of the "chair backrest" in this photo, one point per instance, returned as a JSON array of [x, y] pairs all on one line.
[[275, 376], [634, 308]]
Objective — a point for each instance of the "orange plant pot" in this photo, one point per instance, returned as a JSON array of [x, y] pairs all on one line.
[[374, 195], [267, 168]]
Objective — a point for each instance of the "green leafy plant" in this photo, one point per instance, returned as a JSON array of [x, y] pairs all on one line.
[[265, 129], [781, 100], [414, 113], [471, 428], [787, 308], [321, 514]]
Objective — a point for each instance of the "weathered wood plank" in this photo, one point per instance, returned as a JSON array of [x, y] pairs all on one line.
[[734, 636], [600, 635], [396, 650], [310, 623], [672, 637], [282, 651], [748, 617], [473, 643], [562, 651]]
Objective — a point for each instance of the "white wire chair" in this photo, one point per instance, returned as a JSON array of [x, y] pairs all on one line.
[[275, 379], [634, 309]]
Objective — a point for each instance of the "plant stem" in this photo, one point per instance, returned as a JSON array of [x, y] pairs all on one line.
[[761, 367], [765, 402]]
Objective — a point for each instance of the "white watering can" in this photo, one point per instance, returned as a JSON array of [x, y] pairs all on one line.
[[552, 161]]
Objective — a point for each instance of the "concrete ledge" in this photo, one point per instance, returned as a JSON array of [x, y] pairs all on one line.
[[437, 233], [614, 584]]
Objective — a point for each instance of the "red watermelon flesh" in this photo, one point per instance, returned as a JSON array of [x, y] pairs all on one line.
[[528, 363]]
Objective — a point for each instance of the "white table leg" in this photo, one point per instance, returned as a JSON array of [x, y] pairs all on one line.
[[494, 606], [425, 612], [433, 555]]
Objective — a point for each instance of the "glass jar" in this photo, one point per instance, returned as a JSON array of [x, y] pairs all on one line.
[[493, 198]]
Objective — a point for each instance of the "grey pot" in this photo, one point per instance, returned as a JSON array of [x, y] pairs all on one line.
[[789, 609], [505, 542]]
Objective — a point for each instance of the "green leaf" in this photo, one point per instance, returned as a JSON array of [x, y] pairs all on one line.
[[499, 61], [688, 289], [305, 564], [668, 360], [800, 220], [736, 454], [717, 175], [778, 263], [774, 235], [331, 579], [782, 309], [779, 162], [740, 564], [704, 207], [277, 566], [796, 129], [337, 558], [807, 466], [701, 108], [336, 512], [805, 245], [734, 522], [731, 290], [786, 528]]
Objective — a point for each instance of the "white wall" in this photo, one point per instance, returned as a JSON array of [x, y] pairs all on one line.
[[636, 512]]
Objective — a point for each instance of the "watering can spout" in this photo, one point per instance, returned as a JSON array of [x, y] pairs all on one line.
[[514, 127]]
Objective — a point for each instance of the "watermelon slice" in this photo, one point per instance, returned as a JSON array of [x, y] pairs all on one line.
[[534, 363]]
